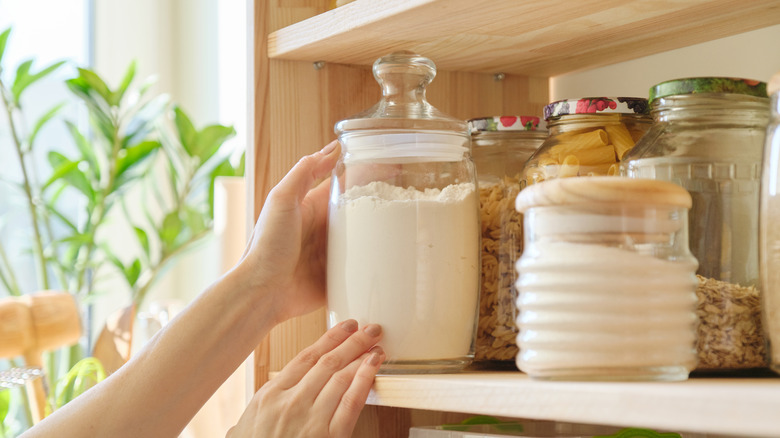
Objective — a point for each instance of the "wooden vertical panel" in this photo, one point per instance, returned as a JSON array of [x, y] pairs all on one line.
[[262, 160]]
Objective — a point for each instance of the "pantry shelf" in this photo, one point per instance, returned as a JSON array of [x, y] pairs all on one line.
[[745, 407], [510, 36]]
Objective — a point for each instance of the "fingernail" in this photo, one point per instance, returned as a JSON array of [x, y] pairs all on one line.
[[373, 330], [328, 148], [376, 349], [374, 359], [350, 325]]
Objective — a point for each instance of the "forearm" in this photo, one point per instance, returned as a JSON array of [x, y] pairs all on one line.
[[163, 386]]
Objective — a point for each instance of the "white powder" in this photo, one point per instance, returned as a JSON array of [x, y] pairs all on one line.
[[408, 260], [591, 310]]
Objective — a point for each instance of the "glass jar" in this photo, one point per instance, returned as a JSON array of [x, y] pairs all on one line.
[[769, 222], [588, 137], [606, 281], [708, 137], [403, 230], [501, 145]]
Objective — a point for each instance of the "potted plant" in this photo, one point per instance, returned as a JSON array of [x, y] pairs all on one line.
[[139, 164]]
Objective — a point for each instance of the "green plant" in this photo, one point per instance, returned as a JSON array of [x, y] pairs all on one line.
[[140, 166]]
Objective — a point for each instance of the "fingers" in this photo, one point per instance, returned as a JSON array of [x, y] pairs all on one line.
[[334, 361], [330, 398], [309, 169], [294, 371], [352, 402]]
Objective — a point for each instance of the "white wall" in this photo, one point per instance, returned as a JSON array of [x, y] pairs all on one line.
[[751, 55]]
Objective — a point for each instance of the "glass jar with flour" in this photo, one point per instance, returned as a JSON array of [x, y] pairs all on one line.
[[403, 230]]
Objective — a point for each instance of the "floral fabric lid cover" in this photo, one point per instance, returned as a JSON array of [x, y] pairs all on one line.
[[749, 87], [593, 105], [506, 123]]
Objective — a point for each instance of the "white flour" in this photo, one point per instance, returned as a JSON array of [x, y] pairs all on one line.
[[409, 261]]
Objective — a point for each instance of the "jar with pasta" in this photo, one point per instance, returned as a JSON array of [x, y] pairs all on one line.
[[708, 137], [588, 137], [500, 147]]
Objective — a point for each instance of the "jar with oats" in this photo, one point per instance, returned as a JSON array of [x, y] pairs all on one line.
[[769, 221], [500, 147], [588, 137], [708, 137]]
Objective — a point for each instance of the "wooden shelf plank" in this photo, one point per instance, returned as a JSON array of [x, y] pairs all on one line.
[[745, 407], [512, 36]]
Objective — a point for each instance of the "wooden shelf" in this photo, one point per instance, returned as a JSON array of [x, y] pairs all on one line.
[[534, 38], [744, 407]]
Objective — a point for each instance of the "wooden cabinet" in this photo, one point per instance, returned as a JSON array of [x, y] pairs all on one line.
[[311, 68]]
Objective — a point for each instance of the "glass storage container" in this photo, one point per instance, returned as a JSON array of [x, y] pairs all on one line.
[[770, 229], [403, 231], [501, 145], [606, 281], [708, 137], [588, 137]]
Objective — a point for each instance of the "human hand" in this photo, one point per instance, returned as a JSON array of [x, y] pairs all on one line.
[[321, 392], [287, 251]]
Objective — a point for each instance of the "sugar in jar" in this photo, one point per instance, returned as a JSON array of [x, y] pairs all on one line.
[[606, 281]]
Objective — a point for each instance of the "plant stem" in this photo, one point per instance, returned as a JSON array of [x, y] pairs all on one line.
[[95, 219], [42, 273], [10, 282], [139, 294]]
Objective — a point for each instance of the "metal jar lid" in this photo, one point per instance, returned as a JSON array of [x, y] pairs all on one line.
[[596, 105], [506, 123], [676, 87]]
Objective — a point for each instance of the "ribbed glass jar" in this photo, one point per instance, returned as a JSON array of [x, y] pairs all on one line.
[[708, 137], [606, 281]]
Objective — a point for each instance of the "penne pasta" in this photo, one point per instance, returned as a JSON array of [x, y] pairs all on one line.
[[569, 167], [600, 155], [620, 138]]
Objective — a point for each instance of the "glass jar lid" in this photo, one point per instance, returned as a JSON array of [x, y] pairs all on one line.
[[403, 77], [602, 189], [774, 84], [674, 87], [506, 123], [596, 105]]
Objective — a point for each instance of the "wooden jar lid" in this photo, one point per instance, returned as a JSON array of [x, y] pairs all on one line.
[[602, 189]]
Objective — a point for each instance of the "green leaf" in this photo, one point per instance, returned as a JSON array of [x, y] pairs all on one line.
[[143, 239], [94, 82], [195, 220], [171, 228], [186, 130], [41, 122], [142, 123], [60, 170], [135, 155], [99, 110], [24, 79], [3, 40], [5, 396], [85, 148], [209, 140], [53, 210], [116, 97], [132, 272], [70, 174]]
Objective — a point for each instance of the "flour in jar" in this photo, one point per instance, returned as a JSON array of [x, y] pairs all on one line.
[[408, 260]]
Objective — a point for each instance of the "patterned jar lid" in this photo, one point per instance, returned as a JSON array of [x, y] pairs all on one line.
[[748, 87], [596, 105], [506, 123]]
